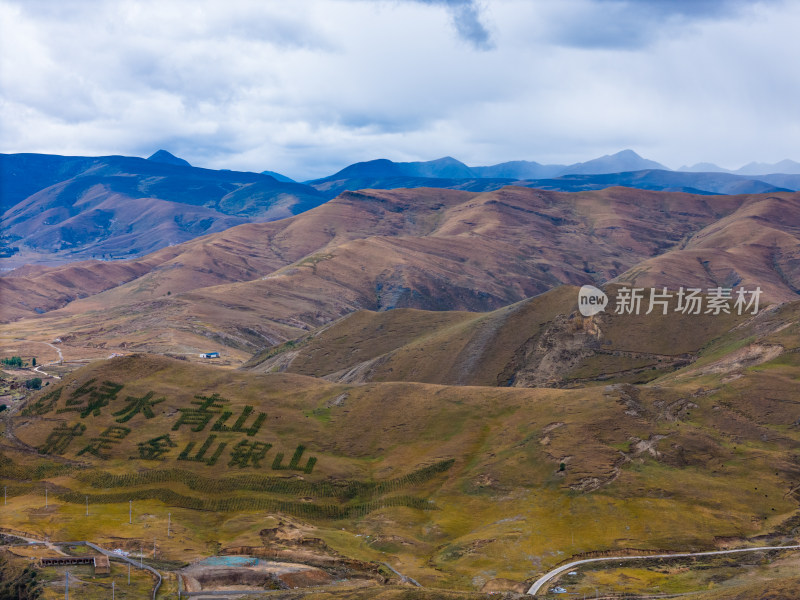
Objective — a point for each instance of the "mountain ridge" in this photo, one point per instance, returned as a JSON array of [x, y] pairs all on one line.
[[63, 209], [257, 285]]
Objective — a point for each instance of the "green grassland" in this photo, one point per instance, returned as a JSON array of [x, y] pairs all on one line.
[[454, 486]]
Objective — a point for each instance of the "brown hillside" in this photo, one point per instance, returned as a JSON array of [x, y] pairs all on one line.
[[260, 284], [758, 245], [541, 341]]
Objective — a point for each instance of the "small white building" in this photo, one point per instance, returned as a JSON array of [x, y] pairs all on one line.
[[210, 355]]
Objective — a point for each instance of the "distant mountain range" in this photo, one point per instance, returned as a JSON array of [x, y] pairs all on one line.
[[61, 208], [74, 208], [623, 168], [621, 162], [450, 168], [786, 167]]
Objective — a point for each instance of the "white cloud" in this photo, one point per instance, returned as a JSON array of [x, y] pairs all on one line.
[[307, 87]]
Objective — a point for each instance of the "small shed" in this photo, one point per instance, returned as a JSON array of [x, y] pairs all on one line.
[[101, 565], [209, 355]]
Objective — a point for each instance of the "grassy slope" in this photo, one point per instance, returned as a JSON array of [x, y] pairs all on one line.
[[645, 467], [540, 341]]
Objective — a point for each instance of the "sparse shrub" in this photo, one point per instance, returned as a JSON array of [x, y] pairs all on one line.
[[41, 470], [343, 489], [249, 503], [44, 404], [34, 384], [298, 454], [276, 463], [22, 585], [562, 467]]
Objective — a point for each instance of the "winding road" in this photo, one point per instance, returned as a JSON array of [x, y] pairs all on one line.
[[55, 546], [60, 359], [127, 560], [534, 589]]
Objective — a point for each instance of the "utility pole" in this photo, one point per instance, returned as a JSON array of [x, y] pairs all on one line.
[[113, 593], [129, 573], [66, 586]]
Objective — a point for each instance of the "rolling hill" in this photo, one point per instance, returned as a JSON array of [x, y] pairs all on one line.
[[625, 168], [444, 168], [519, 169], [760, 242], [333, 187], [258, 285], [786, 166], [538, 342], [58, 209], [449, 168], [418, 390], [459, 487]]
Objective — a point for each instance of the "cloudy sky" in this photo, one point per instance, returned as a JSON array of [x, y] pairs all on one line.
[[305, 87]]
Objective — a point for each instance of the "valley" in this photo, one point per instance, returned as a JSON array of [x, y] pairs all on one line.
[[434, 480], [406, 395], [399, 300], [258, 285]]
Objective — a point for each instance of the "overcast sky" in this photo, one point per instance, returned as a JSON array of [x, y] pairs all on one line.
[[307, 87]]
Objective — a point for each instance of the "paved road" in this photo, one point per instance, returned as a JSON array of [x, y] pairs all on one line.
[[135, 563], [31, 540], [402, 577], [54, 546], [534, 589]]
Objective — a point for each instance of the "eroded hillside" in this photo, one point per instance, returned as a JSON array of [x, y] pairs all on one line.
[[258, 285]]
